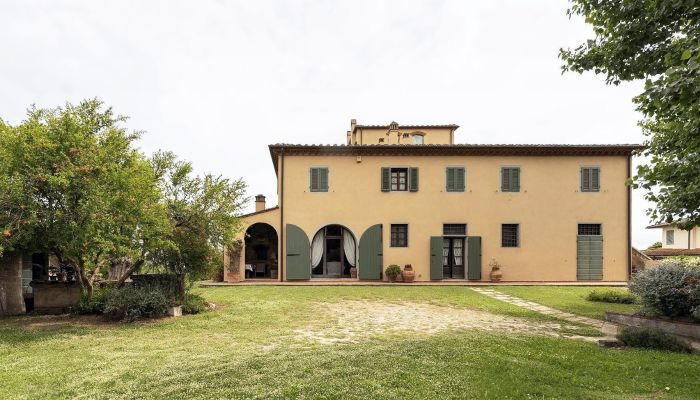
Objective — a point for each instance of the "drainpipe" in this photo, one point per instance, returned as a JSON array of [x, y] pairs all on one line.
[[689, 239], [281, 257], [629, 219]]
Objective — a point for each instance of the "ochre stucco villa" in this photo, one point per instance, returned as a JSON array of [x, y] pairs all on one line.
[[407, 194]]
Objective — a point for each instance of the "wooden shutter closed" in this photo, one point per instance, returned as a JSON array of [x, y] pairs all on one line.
[[505, 179], [459, 180], [413, 178], [323, 179], [474, 257], [298, 248], [595, 179], [589, 257], [450, 179], [370, 253], [436, 257], [590, 179], [313, 179], [386, 179]]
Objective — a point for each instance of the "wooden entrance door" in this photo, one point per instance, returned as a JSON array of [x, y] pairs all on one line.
[[453, 258]]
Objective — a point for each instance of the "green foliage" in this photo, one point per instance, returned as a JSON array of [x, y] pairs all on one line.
[[656, 245], [684, 261], [611, 296], [393, 271], [202, 212], [193, 304], [650, 338], [658, 41], [669, 289], [129, 304], [94, 305]]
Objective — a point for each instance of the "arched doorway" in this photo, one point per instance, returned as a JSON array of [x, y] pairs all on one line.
[[261, 251], [333, 252]]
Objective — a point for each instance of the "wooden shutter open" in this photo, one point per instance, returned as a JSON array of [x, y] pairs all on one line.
[[413, 179], [370, 253], [474, 257], [386, 179], [436, 257], [298, 257]]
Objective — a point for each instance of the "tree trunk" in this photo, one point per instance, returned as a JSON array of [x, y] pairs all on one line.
[[11, 298], [129, 271]]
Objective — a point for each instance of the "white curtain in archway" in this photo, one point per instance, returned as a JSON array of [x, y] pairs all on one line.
[[317, 246], [349, 246]]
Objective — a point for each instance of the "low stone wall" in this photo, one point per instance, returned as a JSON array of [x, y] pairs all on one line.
[[11, 299], [686, 329], [55, 297]]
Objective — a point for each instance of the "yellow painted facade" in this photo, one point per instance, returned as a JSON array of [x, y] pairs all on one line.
[[548, 207]]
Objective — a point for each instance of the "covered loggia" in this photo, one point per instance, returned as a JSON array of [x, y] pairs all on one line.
[[261, 260]]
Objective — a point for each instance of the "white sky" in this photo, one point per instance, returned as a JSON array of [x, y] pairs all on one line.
[[217, 81]]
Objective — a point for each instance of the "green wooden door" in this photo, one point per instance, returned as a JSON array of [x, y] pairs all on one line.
[[474, 257], [589, 257], [371, 253], [298, 253], [436, 257]]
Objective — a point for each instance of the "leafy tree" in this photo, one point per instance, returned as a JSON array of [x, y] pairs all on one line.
[[202, 212], [79, 189], [656, 245], [658, 41]]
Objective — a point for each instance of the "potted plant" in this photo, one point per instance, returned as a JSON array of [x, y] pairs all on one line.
[[408, 274], [496, 273], [393, 272], [353, 272]]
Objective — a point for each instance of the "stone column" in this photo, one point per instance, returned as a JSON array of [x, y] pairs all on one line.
[[11, 298]]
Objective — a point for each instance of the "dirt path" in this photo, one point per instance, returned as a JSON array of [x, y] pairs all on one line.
[[355, 320]]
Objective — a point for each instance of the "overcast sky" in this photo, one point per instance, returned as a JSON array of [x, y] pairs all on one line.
[[217, 81]]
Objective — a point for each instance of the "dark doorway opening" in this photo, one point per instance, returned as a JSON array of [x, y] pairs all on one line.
[[333, 252]]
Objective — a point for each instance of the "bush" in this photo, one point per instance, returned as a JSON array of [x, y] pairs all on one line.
[[193, 304], [94, 306], [612, 296], [129, 304], [684, 261], [670, 289], [649, 338], [393, 271]]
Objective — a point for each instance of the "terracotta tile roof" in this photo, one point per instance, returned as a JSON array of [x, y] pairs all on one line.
[[259, 212], [661, 252], [439, 126], [453, 150]]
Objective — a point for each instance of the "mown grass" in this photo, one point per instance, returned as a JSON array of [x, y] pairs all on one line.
[[569, 298], [224, 354]]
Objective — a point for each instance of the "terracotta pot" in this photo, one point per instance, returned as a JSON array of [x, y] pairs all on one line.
[[496, 275], [408, 275], [353, 272]]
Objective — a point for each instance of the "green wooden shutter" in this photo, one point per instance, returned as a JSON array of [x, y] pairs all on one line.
[[585, 179], [413, 178], [313, 179], [595, 179], [450, 179], [386, 179], [505, 180], [459, 180], [474, 257], [589, 257], [436, 257], [370, 253], [515, 179], [323, 179], [298, 260]]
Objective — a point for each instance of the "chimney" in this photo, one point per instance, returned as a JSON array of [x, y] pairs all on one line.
[[259, 203]]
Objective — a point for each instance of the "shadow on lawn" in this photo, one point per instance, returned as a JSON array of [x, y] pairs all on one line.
[[31, 328]]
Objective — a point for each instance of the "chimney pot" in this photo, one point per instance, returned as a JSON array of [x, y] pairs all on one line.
[[259, 203]]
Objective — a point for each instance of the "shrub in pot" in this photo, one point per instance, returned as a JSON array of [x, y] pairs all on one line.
[[393, 272], [669, 289]]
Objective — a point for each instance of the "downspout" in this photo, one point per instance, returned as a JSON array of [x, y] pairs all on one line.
[[629, 218], [689, 239], [282, 257]]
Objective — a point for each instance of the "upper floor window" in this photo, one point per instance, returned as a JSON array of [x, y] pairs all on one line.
[[510, 179], [454, 177], [400, 179], [590, 179], [399, 235], [318, 179], [418, 139], [670, 237], [510, 235]]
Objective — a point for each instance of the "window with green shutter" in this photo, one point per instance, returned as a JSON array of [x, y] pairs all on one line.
[[590, 179], [454, 179], [399, 179], [318, 179], [510, 179]]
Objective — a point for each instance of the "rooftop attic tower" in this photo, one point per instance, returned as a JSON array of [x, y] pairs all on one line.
[[394, 133]]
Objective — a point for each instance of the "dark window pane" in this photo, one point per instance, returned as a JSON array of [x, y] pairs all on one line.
[[509, 235], [399, 235], [589, 229], [454, 229]]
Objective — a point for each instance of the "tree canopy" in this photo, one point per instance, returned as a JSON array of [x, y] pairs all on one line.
[[74, 185], [658, 41]]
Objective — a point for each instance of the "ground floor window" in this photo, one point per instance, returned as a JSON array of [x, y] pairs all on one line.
[[399, 235], [510, 235]]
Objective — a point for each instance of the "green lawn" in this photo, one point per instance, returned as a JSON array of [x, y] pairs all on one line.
[[250, 348], [569, 298]]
